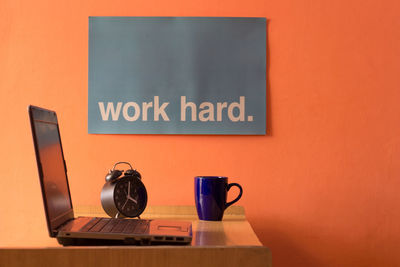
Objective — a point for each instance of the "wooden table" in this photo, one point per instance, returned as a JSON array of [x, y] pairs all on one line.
[[231, 242]]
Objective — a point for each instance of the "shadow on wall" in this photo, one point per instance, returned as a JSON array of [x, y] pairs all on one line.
[[268, 92]]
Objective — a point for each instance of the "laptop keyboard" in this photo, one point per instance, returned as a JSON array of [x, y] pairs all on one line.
[[111, 225]]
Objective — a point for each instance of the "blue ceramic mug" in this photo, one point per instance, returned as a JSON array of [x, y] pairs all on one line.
[[210, 196]]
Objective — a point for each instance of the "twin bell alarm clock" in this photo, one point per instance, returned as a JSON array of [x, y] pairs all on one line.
[[123, 194]]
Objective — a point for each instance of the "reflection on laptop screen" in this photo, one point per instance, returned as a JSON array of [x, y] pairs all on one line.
[[52, 164]]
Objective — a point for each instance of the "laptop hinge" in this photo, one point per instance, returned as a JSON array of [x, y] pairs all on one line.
[[62, 225]]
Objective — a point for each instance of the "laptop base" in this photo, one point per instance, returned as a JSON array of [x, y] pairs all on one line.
[[65, 241]]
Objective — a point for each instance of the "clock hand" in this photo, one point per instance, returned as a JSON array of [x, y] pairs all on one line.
[[134, 200], [125, 203], [129, 188]]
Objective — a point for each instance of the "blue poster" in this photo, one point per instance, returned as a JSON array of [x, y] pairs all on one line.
[[177, 75]]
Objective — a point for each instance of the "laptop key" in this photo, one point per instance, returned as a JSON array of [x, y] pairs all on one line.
[[130, 228], [99, 225], [119, 228], [110, 225], [89, 225]]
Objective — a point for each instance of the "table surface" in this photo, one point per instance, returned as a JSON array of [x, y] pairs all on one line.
[[233, 230], [227, 242]]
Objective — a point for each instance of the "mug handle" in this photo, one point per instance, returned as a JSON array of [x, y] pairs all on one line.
[[238, 197]]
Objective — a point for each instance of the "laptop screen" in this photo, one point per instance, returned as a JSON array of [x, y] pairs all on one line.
[[51, 166]]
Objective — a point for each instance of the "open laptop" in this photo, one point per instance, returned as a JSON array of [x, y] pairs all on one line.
[[58, 205]]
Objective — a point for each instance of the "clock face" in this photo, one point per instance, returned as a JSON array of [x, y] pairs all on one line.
[[130, 196]]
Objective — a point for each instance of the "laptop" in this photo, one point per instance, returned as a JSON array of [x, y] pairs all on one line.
[[57, 201]]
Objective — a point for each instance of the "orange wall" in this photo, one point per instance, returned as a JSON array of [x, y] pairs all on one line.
[[322, 189]]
